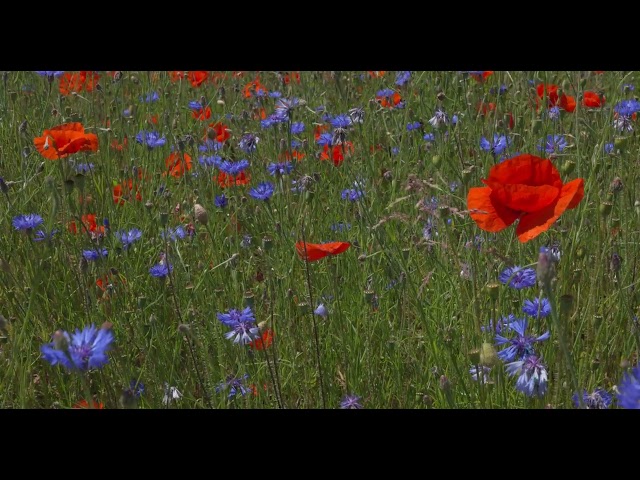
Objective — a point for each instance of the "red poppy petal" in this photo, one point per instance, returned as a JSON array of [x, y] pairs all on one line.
[[567, 102], [334, 248], [524, 198], [525, 169], [533, 224], [489, 217], [313, 253]]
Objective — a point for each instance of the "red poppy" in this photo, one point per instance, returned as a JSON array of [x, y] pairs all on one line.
[[63, 140], [109, 279], [84, 404], [88, 220], [198, 78], [552, 93], [598, 72], [527, 188], [218, 131], [202, 114], [337, 152], [592, 100], [288, 77], [292, 155], [319, 130], [119, 198], [152, 119], [76, 82], [316, 251], [225, 180], [89, 80], [177, 164], [484, 108], [177, 75], [376, 74], [217, 76], [119, 146], [264, 341], [259, 114], [251, 88], [567, 103], [481, 77], [387, 102]]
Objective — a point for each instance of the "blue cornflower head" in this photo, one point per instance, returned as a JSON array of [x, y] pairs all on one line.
[[127, 238], [395, 151], [84, 168], [263, 191], [341, 121], [275, 94], [235, 385], [500, 325], [80, 351], [93, 255], [627, 108], [27, 222], [220, 201], [285, 105], [429, 230], [554, 144], [50, 73], [537, 308], [233, 168], [340, 227], [429, 137], [357, 114], [629, 87], [353, 194], [454, 120], [281, 168], [42, 235], [150, 97], [350, 402], [532, 373], [295, 143], [499, 145], [135, 390], [600, 399], [521, 345], [297, 128], [242, 324], [387, 92], [609, 147], [321, 311], [248, 143], [554, 113], [195, 106], [210, 161], [453, 186], [439, 118], [174, 234], [150, 139], [246, 241], [325, 139], [402, 78], [520, 277], [210, 146], [484, 372], [161, 270], [413, 126], [629, 389]]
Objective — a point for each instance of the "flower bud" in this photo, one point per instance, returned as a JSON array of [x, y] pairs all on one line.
[[488, 355], [201, 214]]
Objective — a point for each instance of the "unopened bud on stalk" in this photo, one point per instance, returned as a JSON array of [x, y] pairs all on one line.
[[201, 214], [474, 356], [488, 355], [493, 289], [546, 267], [60, 341]]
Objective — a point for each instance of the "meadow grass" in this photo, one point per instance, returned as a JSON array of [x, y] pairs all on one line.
[[408, 305]]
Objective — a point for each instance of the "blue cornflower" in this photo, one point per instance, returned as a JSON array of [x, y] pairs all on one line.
[[284, 106], [246, 241], [42, 235], [395, 151], [210, 146], [453, 186], [263, 191], [429, 230], [281, 168], [51, 74], [233, 168], [629, 87], [325, 139], [350, 402], [150, 97], [321, 311], [341, 121], [413, 126], [454, 120], [387, 92], [429, 137], [80, 351], [520, 277], [340, 226], [127, 238], [500, 325], [521, 345], [248, 143], [554, 113], [275, 94], [210, 161], [136, 389], [295, 143], [600, 399], [439, 118], [150, 139], [161, 270], [297, 128], [93, 255], [484, 373], [609, 147], [629, 389], [28, 222], [357, 114], [195, 106], [554, 144], [532, 373], [537, 308], [500, 144], [402, 78], [174, 234], [242, 324], [235, 385], [220, 201], [627, 108], [353, 194], [84, 168]]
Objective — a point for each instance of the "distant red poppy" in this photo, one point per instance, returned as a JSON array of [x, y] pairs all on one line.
[[376, 74], [481, 77], [201, 114], [598, 72], [592, 100], [177, 164], [76, 82], [88, 220], [177, 75], [567, 103], [389, 102], [251, 88], [484, 108], [198, 78], [319, 130], [337, 152], [264, 341], [120, 198], [64, 140], [218, 131], [551, 91], [119, 147], [84, 404], [292, 155], [90, 80], [525, 188], [109, 279], [225, 180], [288, 77], [317, 251]]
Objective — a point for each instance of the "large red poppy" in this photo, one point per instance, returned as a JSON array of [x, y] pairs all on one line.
[[177, 164], [592, 100], [225, 180], [525, 188], [337, 152], [198, 78], [63, 140], [218, 131], [317, 251]]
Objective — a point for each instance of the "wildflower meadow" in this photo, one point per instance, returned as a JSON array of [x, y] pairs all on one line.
[[319, 240]]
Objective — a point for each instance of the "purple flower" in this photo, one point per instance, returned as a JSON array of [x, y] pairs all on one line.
[[350, 402], [220, 201], [210, 161], [42, 235], [248, 143], [150, 97], [284, 106], [281, 168], [608, 147], [210, 146], [626, 108], [325, 139], [429, 137], [233, 168], [161, 270], [28, 222], [84, 168], [484, 374], [235, 385], [242, 324], [341, 121], [174, 234], [321, 311], [127, 238], [414, 126], [521, 345], [50, 74], [195, 106], [537, 308], [629, 389], [520, 277], [150, 139], [554, 113], [263, 191], [554, 144], [600, 399], [532, 379], [93, 255], [499, 145], [439, 118], [402, 78], [80, 351], [297, 128]]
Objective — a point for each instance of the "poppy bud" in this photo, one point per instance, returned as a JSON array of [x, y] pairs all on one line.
[[568, 166], [493, 289], [620, 142], [368, 295], [466, 174], [616, 185], [546, 268], [441, 96], [164, 218], [362, 258], [488, 355], [303, 307], [605, 208], [249, 299], [436, 160], [185, 329], [267, 243], [201, 214], [444, 384], [474, 356]]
